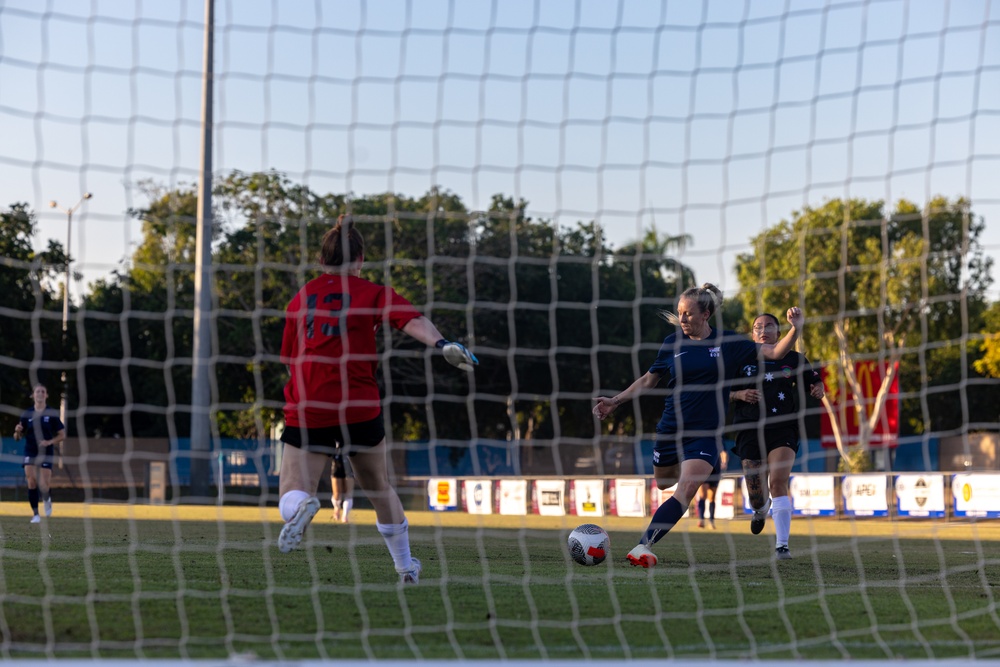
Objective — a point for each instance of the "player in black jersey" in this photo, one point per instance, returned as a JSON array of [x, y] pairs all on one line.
[[42, 430], [766, 411]]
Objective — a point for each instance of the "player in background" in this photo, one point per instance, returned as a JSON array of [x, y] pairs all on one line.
[[42, 431], [705, 501], [765, 414], [701, 361], [342, 487], [332, 399]]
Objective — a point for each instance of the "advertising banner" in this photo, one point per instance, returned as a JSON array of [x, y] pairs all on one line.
[[478, 496], [919, 495], [724, 497], [812, 495], [442, 495], [870, 375], [512, 496], [865, 495], [976, 495], [586, 497], [628, 497], [549, 497]]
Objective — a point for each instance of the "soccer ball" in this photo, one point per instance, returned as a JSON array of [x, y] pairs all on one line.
[[589, 544]]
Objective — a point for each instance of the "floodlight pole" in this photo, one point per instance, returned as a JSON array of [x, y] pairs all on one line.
[[65, 314], [201, 386]]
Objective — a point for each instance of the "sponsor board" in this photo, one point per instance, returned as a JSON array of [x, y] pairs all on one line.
[[865, 495], [919, 495], [659, 496], [586, 497], [628, 497], [976, 495], [478, 496], [549, 497], [724, 498], [442, 495], [812, 495], [512, 496]]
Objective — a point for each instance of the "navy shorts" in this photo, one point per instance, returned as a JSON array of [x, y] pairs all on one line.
[[338, 468], [668, 451], [40, 461], [334, 440]]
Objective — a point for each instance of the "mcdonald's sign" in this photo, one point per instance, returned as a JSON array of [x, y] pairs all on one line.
[[870, 375]]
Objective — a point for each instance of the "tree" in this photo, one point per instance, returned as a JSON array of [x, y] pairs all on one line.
[[885, 272], [31, 334], [989, 364]]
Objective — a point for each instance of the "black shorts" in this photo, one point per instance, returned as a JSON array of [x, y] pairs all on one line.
[[333, 440], [748, 448]]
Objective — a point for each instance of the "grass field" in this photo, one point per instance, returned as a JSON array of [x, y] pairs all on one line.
[[120, 581]]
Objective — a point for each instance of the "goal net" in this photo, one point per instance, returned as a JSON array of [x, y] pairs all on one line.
[[542, 180]]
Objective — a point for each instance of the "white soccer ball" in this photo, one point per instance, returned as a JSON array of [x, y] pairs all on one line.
[[589, 544]]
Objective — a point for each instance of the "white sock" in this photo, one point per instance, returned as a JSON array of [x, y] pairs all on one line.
[[397, 538], [289, 503], [345, 507], [781, 513]]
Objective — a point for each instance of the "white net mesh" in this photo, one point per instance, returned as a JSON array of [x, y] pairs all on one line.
[[540, 178]]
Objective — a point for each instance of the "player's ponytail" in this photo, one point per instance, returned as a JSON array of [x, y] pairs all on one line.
[[708, 296], [342, 234]]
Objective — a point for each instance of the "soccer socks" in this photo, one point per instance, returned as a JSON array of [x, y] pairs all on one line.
[[397, 538], [781, 514], [290, 502], [701, 508], [345, 508], [711, 511], [33, 500], [666, 516]]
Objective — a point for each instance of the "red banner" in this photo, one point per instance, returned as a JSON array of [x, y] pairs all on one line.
[[870, 375]]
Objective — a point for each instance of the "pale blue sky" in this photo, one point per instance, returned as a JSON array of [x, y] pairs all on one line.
[[716, 119]]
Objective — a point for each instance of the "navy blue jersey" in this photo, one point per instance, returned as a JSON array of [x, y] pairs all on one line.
[[39, 427], [700, 371], [779, 384]]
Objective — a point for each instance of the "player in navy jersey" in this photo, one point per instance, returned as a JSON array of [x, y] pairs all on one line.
[[42, 431], [701, 361], [332, 398], [765, 414]]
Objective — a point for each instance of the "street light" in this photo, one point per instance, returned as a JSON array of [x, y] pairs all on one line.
[[65, 317]]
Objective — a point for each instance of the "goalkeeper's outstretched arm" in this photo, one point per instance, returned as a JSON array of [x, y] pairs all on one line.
[[455, 354]]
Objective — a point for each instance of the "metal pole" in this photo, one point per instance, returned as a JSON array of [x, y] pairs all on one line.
[[201, 388], [65, 313]]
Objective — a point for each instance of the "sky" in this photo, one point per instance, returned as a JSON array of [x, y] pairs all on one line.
[[715, 119]]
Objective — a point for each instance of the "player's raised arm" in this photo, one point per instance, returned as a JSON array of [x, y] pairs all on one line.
[[778, 351]]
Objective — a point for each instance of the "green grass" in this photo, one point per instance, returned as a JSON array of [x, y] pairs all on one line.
[[164, 585]]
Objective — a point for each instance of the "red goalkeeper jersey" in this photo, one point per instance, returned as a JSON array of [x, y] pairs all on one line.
[[329, 347]]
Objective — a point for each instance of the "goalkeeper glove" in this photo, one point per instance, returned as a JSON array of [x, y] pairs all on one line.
[[456, 355]]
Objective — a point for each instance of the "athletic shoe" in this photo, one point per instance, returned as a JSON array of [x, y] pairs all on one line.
[[711, 525], [782, 553], [641, 556], [291, 533], [48, 507], [759, 516], [336, 513], [36, 519], [411, 576], [701, 524]]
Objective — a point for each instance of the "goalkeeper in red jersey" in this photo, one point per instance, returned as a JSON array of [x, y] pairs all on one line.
[[332, 399]]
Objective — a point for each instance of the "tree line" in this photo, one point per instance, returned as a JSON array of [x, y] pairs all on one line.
[[555, 314]]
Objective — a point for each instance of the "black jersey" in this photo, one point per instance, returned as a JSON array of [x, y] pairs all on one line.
[[779, 384], [38, 427]]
